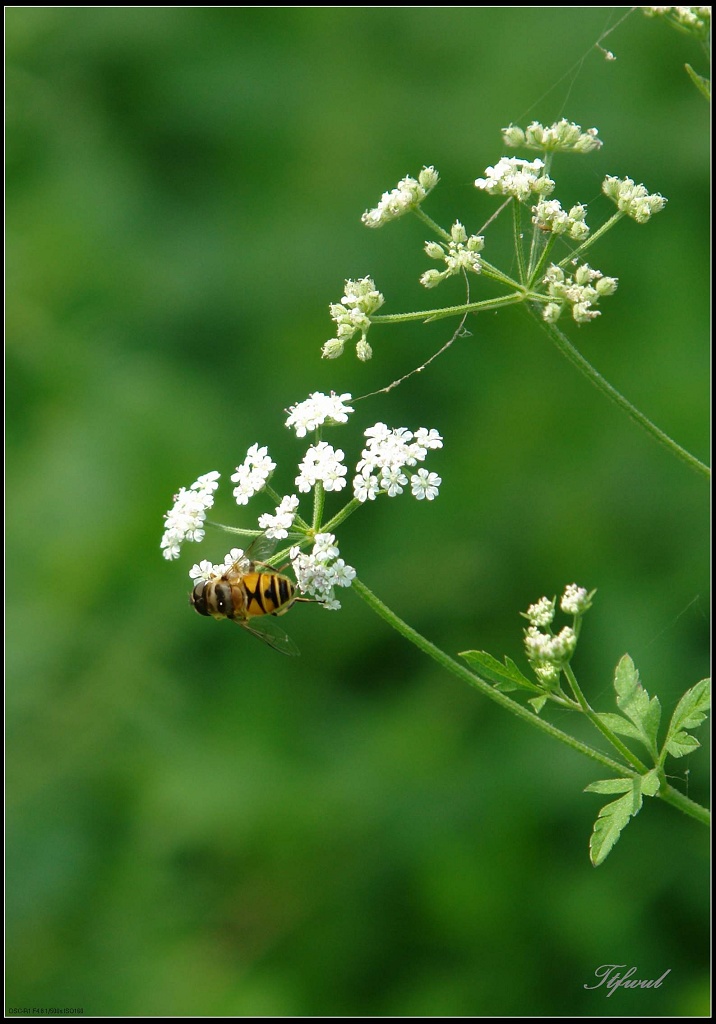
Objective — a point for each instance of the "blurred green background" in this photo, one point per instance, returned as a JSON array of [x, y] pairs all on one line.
[[197, 825]]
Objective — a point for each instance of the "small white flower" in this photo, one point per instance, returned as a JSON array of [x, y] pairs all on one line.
[[318, 573], [406, 196], [251, 476], [277, 526], [318, 409], [387, 453], [696, 20], [204, 570], [185, 520], [425, 485], [322, 462], [514, 177]]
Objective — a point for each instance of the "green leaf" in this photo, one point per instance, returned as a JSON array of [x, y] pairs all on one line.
[[506, 677], [621, 726], [538, 702], [608, 827], [701, 83], [609, 786], [615, 816], [635, 703], [689, 713]]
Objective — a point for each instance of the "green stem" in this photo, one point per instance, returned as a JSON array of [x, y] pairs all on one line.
[[480, 684], [442, 314], [593, 717], [591, 239], [669, 795], [421, 215], [517, 237], [577, 359]]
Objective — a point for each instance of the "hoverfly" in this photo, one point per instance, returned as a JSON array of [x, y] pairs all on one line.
[[250, 596]]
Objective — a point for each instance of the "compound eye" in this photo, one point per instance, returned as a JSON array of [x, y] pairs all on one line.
[[197, 599]]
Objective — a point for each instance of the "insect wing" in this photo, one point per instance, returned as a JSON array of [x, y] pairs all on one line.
[[261, 548], [268, 630]]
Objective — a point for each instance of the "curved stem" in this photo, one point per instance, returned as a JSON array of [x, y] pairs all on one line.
[[666, 793], [480, 684], [577, 359]]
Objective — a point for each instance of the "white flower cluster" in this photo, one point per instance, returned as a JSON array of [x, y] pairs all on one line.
[[406, 196], [461, 253], [320, 572], [322, 462], [580, 291], [206, 570], [576, 600], [352, 315], [277, 526], [562, 136], [185, 520], [541, 612], [518, 178], [251, 476], [631, 199], [549, 216], [696, 20], [388, 452], [318, 409]]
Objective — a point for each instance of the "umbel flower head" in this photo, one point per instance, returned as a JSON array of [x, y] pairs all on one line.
[[694, 20], [185, 520], [580, 291], [406, 196], [561, 137], [632, 199], [548, 215], [461, 253], [518, 178], [352, 316]]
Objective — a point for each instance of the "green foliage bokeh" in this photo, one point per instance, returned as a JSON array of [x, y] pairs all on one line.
[[197, 826]]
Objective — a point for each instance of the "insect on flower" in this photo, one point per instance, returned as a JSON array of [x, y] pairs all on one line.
[[251, 594]]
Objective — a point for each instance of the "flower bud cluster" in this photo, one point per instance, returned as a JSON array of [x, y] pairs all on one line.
[[512, 176], [631, 199], [461, 253], [562, 136], [695, 20], [549, 216], [352, 316], [580, 292], [406, 196]]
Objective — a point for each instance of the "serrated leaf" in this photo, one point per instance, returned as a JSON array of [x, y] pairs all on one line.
[[650, 783], [689, 713], [620, 725], [612, 819], [609, 786], [506, 677], [634, 701]]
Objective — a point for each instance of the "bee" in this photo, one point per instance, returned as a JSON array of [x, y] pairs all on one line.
[[250, 596]]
